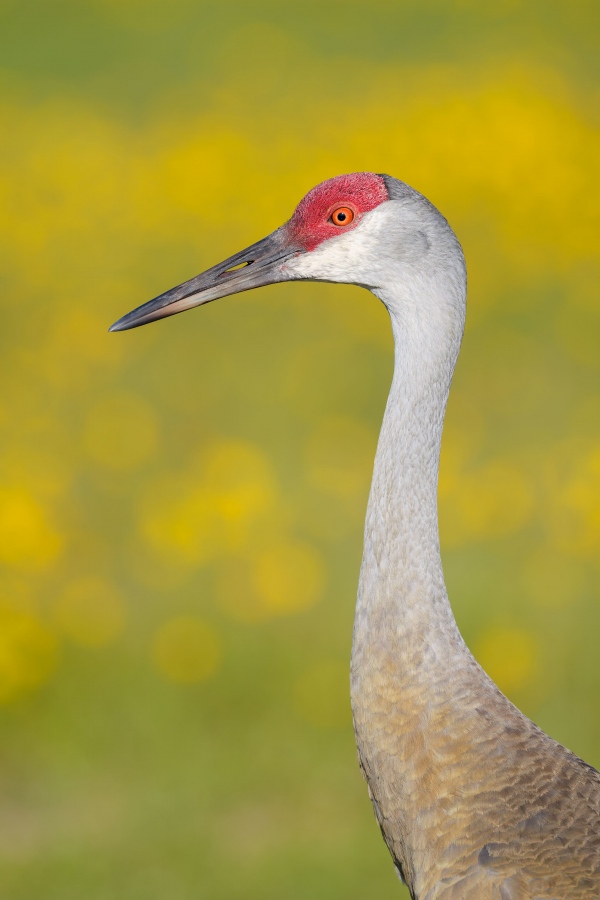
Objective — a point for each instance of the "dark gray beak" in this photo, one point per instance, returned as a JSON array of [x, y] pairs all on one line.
[[260, 264]]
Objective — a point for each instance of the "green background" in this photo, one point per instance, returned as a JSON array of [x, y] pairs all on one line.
[[181, 506]]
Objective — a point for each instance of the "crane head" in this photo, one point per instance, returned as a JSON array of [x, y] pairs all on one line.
[[324, 240]]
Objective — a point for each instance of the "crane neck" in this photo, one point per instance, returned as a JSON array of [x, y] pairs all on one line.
[[402, 594], [407, 654]]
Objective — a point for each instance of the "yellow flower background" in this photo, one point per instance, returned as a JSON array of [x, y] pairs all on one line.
[[181, 506]]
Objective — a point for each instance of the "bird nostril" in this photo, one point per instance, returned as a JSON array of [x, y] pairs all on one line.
[[241, 265]]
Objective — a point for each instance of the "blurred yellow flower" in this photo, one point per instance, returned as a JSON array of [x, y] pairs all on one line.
[[181, 525], [215, 507], [289, 577], [28, 653], [27, 539], [187, 650], [283, 579], [509, 656], [91, 611], [240, 478], [581, 497], [572, 497]]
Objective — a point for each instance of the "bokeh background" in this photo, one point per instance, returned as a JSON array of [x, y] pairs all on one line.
[[181, 506]]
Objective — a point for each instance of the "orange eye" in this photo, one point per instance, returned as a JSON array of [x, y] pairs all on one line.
[[342, 216]]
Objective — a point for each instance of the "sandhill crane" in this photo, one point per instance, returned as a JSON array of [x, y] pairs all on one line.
[[473, 799]]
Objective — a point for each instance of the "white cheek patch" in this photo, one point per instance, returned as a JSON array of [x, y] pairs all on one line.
[[347, 257]]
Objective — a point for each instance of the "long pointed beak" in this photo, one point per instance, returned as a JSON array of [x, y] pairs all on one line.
[[260, 264]]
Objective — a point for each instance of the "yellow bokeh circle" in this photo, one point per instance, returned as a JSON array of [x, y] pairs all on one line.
[[213, 508], [289, 577], [28, 653], [27, 539]]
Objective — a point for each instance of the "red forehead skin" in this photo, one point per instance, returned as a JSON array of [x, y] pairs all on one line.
[[361, 191]]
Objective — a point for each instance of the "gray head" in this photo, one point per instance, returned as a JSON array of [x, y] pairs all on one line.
[[364, 229]]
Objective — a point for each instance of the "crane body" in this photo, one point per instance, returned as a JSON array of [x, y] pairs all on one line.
[[474, 801]]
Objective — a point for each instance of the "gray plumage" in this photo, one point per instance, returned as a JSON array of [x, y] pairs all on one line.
[[474, 801]]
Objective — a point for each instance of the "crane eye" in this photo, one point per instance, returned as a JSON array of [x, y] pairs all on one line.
[[342, 216]]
